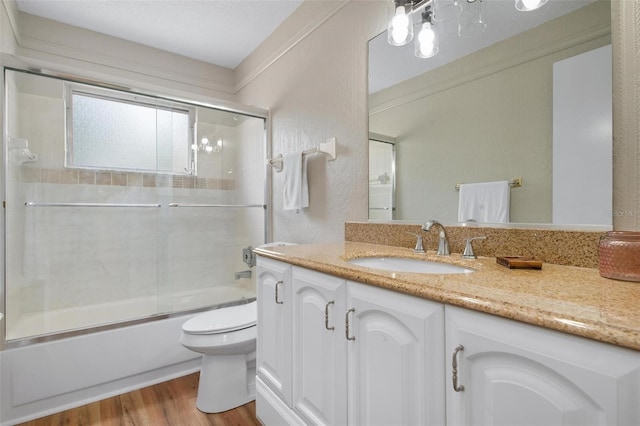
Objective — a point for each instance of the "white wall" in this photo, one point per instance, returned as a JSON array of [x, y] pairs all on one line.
[[318, 90]]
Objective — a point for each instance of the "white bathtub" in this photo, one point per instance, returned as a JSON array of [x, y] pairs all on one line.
[[43, 378], [82, 317]]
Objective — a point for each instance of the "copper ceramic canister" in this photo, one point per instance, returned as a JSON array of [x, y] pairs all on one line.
[[619, 255]]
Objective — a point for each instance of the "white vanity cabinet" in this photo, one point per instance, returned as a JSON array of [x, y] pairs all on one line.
[[511, 373], [337, 352], [359, 355], [363, 355], [273, 355]]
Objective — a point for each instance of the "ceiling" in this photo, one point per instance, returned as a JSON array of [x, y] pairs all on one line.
[[220, 32]]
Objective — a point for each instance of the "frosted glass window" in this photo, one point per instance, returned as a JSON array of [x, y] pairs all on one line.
[[110, 133]]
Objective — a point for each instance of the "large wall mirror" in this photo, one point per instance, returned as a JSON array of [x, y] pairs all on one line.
[[529, 98]]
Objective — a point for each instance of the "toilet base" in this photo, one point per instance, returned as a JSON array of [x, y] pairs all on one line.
[[226, 382]]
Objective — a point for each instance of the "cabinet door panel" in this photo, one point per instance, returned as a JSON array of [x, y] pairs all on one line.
[[519, 374], [274, 327], [396, 369], [508, 380], [319, 351]]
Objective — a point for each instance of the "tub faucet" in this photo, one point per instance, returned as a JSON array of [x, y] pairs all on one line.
[[242, 274], [443, 242]]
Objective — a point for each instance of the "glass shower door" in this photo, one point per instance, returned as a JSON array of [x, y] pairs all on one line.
[[107, 224], [215, 222]]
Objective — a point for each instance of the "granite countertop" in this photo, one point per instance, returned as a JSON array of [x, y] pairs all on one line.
[[565, 298]]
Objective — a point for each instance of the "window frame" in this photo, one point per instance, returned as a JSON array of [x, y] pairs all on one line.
[[72, 88]]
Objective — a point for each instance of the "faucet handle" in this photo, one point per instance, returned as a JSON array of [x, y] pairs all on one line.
[[418, 248], [468, 247]]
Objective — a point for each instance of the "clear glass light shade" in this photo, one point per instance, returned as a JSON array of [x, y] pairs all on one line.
[[470, 22], [426, 42], [400, 31], [445, 10], [526, 5]]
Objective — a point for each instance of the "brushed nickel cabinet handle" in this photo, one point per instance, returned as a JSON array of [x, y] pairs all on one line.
[[454, 365], [326, 316], [346, 322], [279, 302]]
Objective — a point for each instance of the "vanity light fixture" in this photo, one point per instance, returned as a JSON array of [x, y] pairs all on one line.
[[400, 28], [206, 145], [427, 40]]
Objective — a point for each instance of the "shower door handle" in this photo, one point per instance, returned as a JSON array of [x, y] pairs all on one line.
[[278, 301]]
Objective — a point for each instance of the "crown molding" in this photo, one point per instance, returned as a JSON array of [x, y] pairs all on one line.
[[11, 11], [51, 52]]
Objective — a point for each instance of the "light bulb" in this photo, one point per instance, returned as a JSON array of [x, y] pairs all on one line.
[[208, 148], [426, 42], [400, 24], [194, 147], [219, 143], [527, 5], [204, 141], [400, 31]]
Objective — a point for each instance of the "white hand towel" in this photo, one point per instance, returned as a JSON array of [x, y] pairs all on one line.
[[296, 189], [484, 202]]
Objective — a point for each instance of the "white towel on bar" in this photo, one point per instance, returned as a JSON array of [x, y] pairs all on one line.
[[296, 189], [484, 202]]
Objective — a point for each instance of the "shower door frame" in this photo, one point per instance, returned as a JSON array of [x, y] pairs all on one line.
[[9, 63]]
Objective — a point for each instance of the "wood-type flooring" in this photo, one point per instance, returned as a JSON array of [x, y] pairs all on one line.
[[171, 403]]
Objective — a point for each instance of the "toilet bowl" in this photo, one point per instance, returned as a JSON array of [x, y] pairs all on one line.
[[226, 338]]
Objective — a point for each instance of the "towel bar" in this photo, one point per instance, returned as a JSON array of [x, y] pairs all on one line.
[[328, 148], [515, 183]]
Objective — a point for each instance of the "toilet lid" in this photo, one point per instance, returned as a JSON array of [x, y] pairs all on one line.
[[222, 320]]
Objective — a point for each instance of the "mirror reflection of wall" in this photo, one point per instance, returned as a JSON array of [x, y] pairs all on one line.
[[382, 175], [582, 136], [488, 116]]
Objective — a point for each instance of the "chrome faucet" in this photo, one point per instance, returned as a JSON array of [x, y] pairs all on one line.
[[418, 248], [443, 241], [468, 247]]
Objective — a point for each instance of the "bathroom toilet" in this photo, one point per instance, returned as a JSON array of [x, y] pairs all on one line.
[[226, 337]]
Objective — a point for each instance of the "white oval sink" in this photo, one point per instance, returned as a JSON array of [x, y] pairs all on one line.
[[404, 264]]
